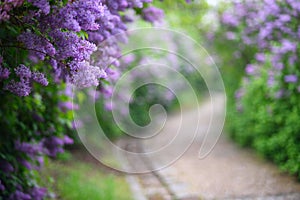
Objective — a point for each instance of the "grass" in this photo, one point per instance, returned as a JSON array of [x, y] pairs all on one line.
[[77, 179]]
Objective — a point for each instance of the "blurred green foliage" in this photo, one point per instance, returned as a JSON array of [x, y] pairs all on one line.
[[77, 180], [269, 125]]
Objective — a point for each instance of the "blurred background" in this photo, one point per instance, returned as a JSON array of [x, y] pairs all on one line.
[[255, 47]]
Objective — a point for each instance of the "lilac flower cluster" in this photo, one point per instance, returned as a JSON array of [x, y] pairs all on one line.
[[37, 193], [273, 27], [54, 145], [66, 37], [6, 6], [152, 14], [34, 151], [4, 73], [47, 146], [23, 87]]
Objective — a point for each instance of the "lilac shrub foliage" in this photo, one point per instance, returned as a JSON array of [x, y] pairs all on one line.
[[267, 103], [46, 46]]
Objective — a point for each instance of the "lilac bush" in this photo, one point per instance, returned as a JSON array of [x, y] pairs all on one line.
[[46, 46], [267, 103]]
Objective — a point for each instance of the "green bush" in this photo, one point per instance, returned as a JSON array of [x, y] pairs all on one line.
[[269, 124]]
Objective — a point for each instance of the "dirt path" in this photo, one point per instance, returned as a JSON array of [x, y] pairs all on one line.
[[228, 172]]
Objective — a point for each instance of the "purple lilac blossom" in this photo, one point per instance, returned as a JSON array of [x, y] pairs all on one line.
[[31, 149], [100, 19], [230, 19], [230, 35], [54, 145], [290, 78], [68, 105], [288, 46], [87, 75], [260, 57], [40, 78], [40, 160], [152, 14], [68, 140], [38, 193], [250, 69], [38, 47], [21, 88], [7, 6], [23, 72], [4, 73], [19, 195], [43, 5]]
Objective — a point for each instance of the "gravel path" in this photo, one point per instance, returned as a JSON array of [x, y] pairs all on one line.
[[228, 172]]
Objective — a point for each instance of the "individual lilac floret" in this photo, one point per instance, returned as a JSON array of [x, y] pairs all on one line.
[[260, 57], [152, 14], [4, 73], [250, 69], [68, 140], [40, 78], [290, 78]]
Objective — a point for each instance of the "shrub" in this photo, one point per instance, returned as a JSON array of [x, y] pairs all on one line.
[[44, 47], [263, 109]]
